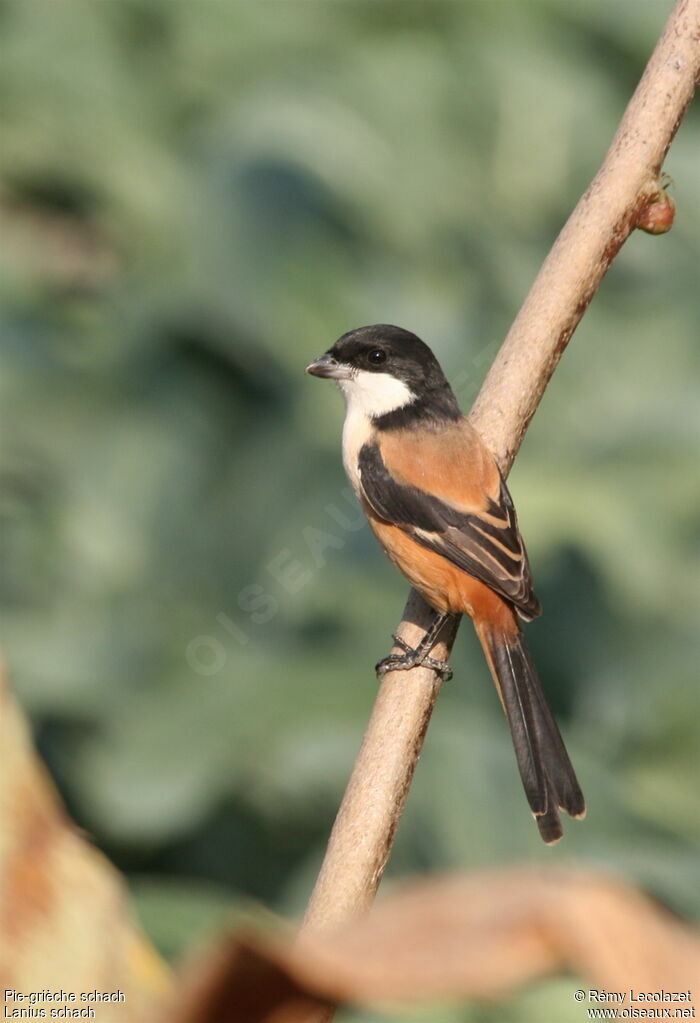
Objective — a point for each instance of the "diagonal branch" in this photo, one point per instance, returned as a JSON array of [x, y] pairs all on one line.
[[626, 193]]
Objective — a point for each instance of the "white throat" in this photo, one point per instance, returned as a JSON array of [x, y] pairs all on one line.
[[375, 394], [367, 396]]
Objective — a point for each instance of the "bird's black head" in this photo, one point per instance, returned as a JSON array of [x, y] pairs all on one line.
[[390, 375]]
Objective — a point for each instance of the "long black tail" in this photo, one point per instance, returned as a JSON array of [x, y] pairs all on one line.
[[548, 778]]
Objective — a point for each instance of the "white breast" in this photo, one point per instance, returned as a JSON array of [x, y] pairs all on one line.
[[367, 396], [357, 430]]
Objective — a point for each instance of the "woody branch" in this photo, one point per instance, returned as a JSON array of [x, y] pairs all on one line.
[[626, 193]]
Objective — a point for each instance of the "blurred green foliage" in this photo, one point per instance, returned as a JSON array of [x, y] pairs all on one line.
[[196, 199]]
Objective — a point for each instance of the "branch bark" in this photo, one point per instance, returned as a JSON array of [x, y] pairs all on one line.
[[621, 197]]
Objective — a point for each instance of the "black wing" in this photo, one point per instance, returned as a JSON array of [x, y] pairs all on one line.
[[487, 545]]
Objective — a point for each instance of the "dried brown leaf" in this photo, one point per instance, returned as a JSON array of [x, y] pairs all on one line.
[[65, 922], [476, 937]]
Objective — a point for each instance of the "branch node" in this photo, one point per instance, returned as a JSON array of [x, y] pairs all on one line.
[[657, 214]]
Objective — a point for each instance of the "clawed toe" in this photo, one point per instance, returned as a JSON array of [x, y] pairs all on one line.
[[411, 658], [394, 662], [397, 662], [403, 644], [440, 668]]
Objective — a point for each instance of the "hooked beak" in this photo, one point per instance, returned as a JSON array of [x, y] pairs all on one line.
[[327, 366]]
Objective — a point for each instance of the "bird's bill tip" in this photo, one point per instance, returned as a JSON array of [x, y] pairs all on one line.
[[329, 367]]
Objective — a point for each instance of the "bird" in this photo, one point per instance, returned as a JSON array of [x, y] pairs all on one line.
[[439, 506]]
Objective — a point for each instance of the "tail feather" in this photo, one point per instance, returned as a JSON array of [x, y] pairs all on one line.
[[557, 762], [521, 712], [549, 823], [547, 774]]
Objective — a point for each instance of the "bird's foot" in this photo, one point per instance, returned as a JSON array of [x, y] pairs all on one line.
[[412, 658]]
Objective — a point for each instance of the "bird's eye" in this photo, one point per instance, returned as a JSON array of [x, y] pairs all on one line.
[[376, 356]]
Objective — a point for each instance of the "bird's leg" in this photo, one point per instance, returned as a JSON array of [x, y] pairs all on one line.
[[415, 657]]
